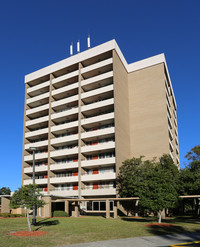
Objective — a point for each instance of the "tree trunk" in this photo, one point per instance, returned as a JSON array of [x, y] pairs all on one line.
[[28, 220], [159, 216]]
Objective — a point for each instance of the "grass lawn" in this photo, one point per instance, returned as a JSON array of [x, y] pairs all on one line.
[[63, 231]]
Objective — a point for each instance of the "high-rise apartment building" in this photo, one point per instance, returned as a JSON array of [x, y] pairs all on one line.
[[88, 113]]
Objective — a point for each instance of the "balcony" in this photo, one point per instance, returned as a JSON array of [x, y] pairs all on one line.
[[98, 162], [98, 177], [102, 80], [67, 193], [65, 77], [64, 139], [59, 180], [37, 98], [36, 132], [64, 152], [107, 90], [100, 118], [35, 90], [37, 121], [65, 89], [95, 106], [64, 101], [41, 168], [37, 144], [37, 109], [37, 181], [98, 192], [64, 126], [171, 146], [64, 113], [98, 147], [97, 133], [170, 133], [39, 156], [97, 65], [64, 166]]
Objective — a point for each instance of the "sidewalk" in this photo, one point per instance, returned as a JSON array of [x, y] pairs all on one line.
[[150, 241]]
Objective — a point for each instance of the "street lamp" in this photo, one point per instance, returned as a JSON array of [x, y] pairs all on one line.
[[33, 149]]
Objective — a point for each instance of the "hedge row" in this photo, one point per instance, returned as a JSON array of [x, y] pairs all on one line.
[[60, 214], [7, 215]]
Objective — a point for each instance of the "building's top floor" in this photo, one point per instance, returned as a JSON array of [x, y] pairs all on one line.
[[85, 58]]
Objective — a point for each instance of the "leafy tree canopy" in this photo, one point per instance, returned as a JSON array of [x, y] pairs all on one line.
[[154, 182]]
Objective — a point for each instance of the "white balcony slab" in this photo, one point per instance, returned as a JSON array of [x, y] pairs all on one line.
[[97, 105], [64, 126], [65, 77], [36, 144], [65, 166], [64, 152], [37, 156], [99, 177], [98, 162], [37, 98], [64, 113], [101, 146], [98, 192], [97, 91], [37, 109], [36, 132], [39, 86], [60, 180], [37, 181], [171, 145], [97, 65], [42, 168], [64, 139], [96, 133], [64, 193], [97, 78], [65, 89], [64, 101], [37, 120], [99, 118]]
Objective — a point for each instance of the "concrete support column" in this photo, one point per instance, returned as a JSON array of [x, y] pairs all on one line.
[[47, 207], [67, 207], [115, 209], [76, 210], [5, 205], [107, 209]]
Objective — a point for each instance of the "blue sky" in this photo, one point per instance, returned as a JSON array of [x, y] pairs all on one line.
[[37, 33]]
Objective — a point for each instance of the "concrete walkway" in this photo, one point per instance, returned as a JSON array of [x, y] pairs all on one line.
[[151, 241]]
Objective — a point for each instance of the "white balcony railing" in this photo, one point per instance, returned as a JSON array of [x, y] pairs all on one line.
[[64, 126], [64, 113], [97, 105], [98, 192], [97, 78], [97, 91], [98, 162], [37, 156], [100, 146], [59, 180], [96, 133], [37, 121], [36, 132], [37, 181], [64, 101], [64, 152], [36, 144], [39, 86], [65, 77], [64, 139], [37, 109], [37, 98], [41, 168], [98, 177], [99, 118], [64, 166], [97, 65]]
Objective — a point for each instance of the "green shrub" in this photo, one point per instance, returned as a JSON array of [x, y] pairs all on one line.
[[5, 215], [60, 214]]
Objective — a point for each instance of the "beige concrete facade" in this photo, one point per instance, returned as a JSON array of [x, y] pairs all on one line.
[[87, 114]]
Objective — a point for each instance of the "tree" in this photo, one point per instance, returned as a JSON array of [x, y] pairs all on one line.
[[4, 191], [27, 196], [154, 182], [190, 176], [159, 187]]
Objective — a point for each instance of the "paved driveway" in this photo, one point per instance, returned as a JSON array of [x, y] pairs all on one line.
[[151, 241]]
